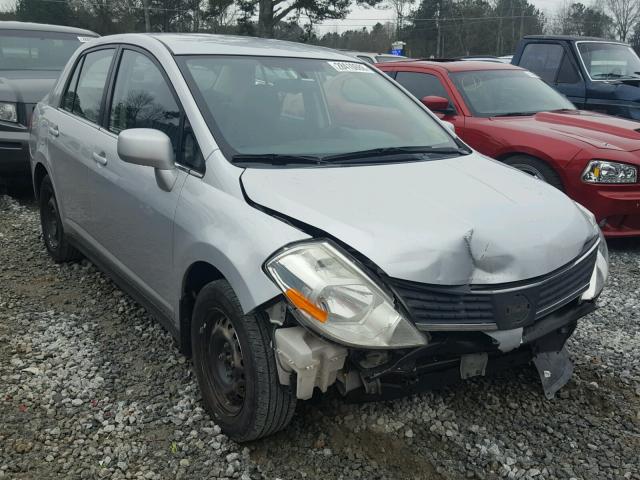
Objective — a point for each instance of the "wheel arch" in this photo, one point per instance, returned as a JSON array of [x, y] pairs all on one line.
[[202, 272], [536, 156], [197, 275], [39, 172]]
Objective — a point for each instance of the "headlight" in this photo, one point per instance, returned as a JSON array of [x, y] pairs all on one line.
[[600, 271], [601, 171], [8, 112], [334, 297]]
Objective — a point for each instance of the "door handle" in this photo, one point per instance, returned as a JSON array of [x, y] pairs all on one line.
[[53, 131], [100, 158]]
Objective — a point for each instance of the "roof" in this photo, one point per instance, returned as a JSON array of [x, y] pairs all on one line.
[[569, 38], [207, 44], [44, 27], [456, 65]]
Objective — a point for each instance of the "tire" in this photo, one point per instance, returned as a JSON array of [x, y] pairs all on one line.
[[536, 168], [236, 367], [53, 236]]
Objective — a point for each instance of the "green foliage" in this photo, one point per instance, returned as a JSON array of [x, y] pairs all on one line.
[[448, 28], [587, 21], [58, 13]]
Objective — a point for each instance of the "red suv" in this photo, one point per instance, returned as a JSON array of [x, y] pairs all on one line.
[[510, 114]]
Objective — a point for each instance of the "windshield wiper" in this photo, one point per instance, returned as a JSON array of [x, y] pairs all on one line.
[[391, 151], [275, 159], [514, 114], [616, 75]]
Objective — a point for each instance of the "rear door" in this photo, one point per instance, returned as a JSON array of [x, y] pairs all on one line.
[[133, 215], [72, 130]]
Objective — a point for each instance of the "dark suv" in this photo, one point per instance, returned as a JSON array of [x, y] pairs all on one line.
[[595, 74], [31, 58]]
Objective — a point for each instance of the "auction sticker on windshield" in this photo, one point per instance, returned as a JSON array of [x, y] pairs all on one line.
[[350, 67]]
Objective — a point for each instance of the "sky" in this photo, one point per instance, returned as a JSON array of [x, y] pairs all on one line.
[[360, 17]]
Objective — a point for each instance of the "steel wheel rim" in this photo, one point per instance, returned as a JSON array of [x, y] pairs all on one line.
[[530, 170], [224, 368], [51, 224]]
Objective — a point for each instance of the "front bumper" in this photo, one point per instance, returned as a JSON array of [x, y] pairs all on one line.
[[615, 206], [617, 209], [448, 358], [14, 153]]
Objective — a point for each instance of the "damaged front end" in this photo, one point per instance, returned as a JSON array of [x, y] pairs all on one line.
[[386, 338]]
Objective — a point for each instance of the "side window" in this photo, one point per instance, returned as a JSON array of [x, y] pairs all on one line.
[[543, 59], [142, 99], [422, 84], [91, 84], [365, 58], [69, 96], [191, 154], [567, 72]]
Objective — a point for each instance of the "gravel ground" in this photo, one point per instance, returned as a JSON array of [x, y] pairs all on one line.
[[91, 387]]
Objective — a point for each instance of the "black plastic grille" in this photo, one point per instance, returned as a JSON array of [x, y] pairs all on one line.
[[505, 306], [560, 289], [429, 304]]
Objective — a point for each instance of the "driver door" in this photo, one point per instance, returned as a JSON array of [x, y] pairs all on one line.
[[133, 215]]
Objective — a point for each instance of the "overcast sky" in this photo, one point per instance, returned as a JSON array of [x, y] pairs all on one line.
[[360, 17]]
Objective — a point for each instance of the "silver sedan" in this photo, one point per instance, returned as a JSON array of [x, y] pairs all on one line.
[[299, 222]]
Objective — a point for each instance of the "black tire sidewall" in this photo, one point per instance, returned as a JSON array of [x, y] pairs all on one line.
[[47, 192], [212, 297]]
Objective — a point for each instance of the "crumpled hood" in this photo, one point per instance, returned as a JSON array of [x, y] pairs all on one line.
[[598, 130], [449, 222], [26, 86]]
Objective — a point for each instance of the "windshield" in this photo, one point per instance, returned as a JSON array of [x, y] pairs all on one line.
[[306, 107], [605, 61], [30, 50], [491, 93]]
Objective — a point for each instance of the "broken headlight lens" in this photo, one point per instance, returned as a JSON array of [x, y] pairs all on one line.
[[334, 297], [8, 112], [601, 171]]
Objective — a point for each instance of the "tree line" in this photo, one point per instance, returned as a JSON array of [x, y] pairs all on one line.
[[429, 28]]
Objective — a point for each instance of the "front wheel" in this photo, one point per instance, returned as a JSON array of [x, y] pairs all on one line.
[[55, 240], [536, 168], [236, 367]]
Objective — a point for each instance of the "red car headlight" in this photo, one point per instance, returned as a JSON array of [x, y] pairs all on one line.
[[604, 171]]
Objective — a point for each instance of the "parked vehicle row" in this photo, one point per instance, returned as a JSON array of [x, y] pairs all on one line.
[[510, 114], [31, 58], [298, 221]]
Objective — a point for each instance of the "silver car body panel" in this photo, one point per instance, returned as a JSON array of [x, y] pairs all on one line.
[[425, 222], [451, 221]]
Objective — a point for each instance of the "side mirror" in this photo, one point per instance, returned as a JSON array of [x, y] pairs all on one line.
[[146, 147], [149, 148], [436, 104]]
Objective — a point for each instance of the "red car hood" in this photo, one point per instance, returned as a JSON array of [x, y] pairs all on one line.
[[598, 130]]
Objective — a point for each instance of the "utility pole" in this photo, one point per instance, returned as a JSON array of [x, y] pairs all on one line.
[[438, 30], [147, 20]]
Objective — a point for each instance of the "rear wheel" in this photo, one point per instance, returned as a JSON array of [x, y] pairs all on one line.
[[536, 168], [236, 367], [53, 235]]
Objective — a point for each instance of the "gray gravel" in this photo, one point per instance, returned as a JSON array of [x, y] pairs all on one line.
[[92, 387]]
